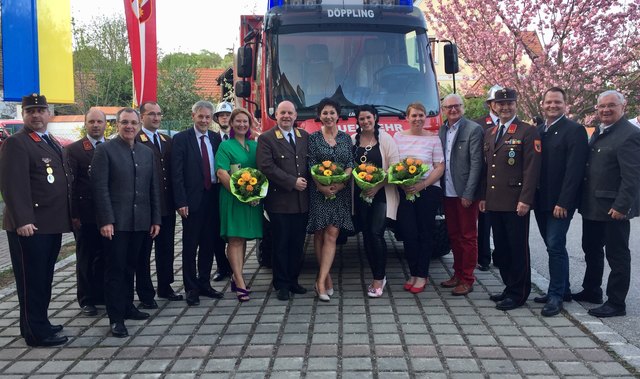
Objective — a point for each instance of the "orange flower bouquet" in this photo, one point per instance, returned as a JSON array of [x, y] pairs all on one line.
[[367, 176], [249, 185], [407, 172], [327, 173]]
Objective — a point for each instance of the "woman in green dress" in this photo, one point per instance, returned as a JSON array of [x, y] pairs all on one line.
[[239, 221]]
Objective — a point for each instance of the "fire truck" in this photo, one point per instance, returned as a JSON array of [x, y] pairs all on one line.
[[352, 51]]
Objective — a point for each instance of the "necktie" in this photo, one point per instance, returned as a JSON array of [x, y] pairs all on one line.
[[500, 133], [206, 165], [293, 144], [49, 142], [226, 137], [156, 142], [98, 143]]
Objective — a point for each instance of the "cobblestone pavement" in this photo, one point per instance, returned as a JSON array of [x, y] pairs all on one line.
[[400, 335]]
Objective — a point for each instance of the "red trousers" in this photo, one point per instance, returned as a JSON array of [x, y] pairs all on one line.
[[463, 236]]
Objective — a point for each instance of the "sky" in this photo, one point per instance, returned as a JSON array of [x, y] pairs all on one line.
[[201, 25]]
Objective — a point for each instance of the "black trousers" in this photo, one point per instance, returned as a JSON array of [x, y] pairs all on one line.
[[121, 257], [416, 221], [615, 236], [33, 260], [484, 239], [511, 239], [89, 265], [200, 240], [164, 242], [288, 232], [372, 221]]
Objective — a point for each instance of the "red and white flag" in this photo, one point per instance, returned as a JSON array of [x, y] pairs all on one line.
[[141, 25]]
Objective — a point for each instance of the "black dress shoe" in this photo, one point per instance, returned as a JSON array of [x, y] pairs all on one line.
[[507, 304], [483, 267], [552, 307], [607, 310], [211, 293], [221, 276], [169, 295], [588, 297], [135, 314], [49, 341], [283, 294], [150, 305], [498, 297], [298, 289], [193, 298], [544, 298], [56, 328], [119, 330], [89, 310]]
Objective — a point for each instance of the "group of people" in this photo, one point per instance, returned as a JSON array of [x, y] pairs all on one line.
[[120, 197]]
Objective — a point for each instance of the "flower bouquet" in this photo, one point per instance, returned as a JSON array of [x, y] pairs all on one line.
[[367, 176], [408, 172], [249, 185], [327, 173]]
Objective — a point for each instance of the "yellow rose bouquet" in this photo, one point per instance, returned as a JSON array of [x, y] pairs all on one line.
[[407, 172], [327, 173], [249, 185], [366, 176]]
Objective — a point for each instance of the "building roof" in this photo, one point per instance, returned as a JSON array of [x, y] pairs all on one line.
[[532, 43], [206, 81]]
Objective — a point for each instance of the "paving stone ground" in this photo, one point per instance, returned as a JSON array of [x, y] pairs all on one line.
[[430, 335]]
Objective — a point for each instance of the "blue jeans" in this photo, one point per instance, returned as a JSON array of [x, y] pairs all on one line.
[[554, 233]]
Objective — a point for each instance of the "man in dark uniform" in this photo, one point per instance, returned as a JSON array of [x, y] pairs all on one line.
[[282, 157], [564, 155], [512, 155], [609, 200], [35, 182], [484, 223], [151, 115], [127, 200], [89, 249]]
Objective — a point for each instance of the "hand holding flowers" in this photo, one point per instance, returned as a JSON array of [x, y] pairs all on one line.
[[407, 173], [328, 173]]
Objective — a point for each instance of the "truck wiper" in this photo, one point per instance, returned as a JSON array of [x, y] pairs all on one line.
[[396, 111]]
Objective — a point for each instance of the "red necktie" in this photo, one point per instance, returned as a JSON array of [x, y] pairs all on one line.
[[206, 166]]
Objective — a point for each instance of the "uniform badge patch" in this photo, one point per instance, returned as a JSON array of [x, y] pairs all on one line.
[[279, 134], [512, 128], [34, 136], [143, 138], [87, 146], [537, 145]]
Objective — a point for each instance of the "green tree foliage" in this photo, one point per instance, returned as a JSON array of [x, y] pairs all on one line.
[[203, 59], [176, 94], [474, 107]]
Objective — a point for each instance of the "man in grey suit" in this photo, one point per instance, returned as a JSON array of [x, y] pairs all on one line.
[[127, 199], [462, 145], [609, 200], [282, 157]]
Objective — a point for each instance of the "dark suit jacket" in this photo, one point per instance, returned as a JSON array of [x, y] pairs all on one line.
[[125, 187], [283, 166], [186, 166], [504, 184], [29, 197], [80, 154], [466, 158], [612, 176], [163, 170], [564, 156]]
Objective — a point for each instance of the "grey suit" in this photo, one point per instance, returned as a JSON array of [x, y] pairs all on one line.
[[126, 194], [466, 158]]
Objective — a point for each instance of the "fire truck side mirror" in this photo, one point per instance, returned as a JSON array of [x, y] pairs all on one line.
[[451, 58], [244, 62], [242, 89]]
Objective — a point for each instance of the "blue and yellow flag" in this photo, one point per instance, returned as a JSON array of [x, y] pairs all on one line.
[[37, 51]]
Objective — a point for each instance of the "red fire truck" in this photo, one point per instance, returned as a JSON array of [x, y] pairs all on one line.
[[353, 51]]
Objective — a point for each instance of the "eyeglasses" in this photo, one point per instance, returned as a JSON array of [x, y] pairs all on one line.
[[154, 114], [127, 122], [607, 106], [452, 106]]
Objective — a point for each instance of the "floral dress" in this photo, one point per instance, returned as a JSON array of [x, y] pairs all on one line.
[[336, 212]]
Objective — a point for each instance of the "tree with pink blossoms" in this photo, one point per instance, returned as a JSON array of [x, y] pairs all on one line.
[[587, 46]]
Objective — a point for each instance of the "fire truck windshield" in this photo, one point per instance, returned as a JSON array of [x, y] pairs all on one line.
[[353, 68]]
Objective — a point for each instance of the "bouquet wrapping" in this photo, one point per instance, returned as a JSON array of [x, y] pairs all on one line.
[[367, 176], [407, 172], [327, 173], [249, 185]]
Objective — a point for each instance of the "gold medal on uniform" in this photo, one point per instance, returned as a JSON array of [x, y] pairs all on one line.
[[511, 161]]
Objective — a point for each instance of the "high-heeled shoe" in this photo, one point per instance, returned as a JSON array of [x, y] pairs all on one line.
[[377, 292], [407, 286], [416, 290], [321, 296], [330, 291], [234, 287], [242, 295]]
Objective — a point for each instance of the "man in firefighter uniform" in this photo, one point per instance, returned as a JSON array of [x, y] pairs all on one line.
[[89, 248], [484, 223], [35, 182], [512, 155]]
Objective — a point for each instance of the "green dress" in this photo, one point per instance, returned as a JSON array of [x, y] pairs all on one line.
[[237, 219]]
